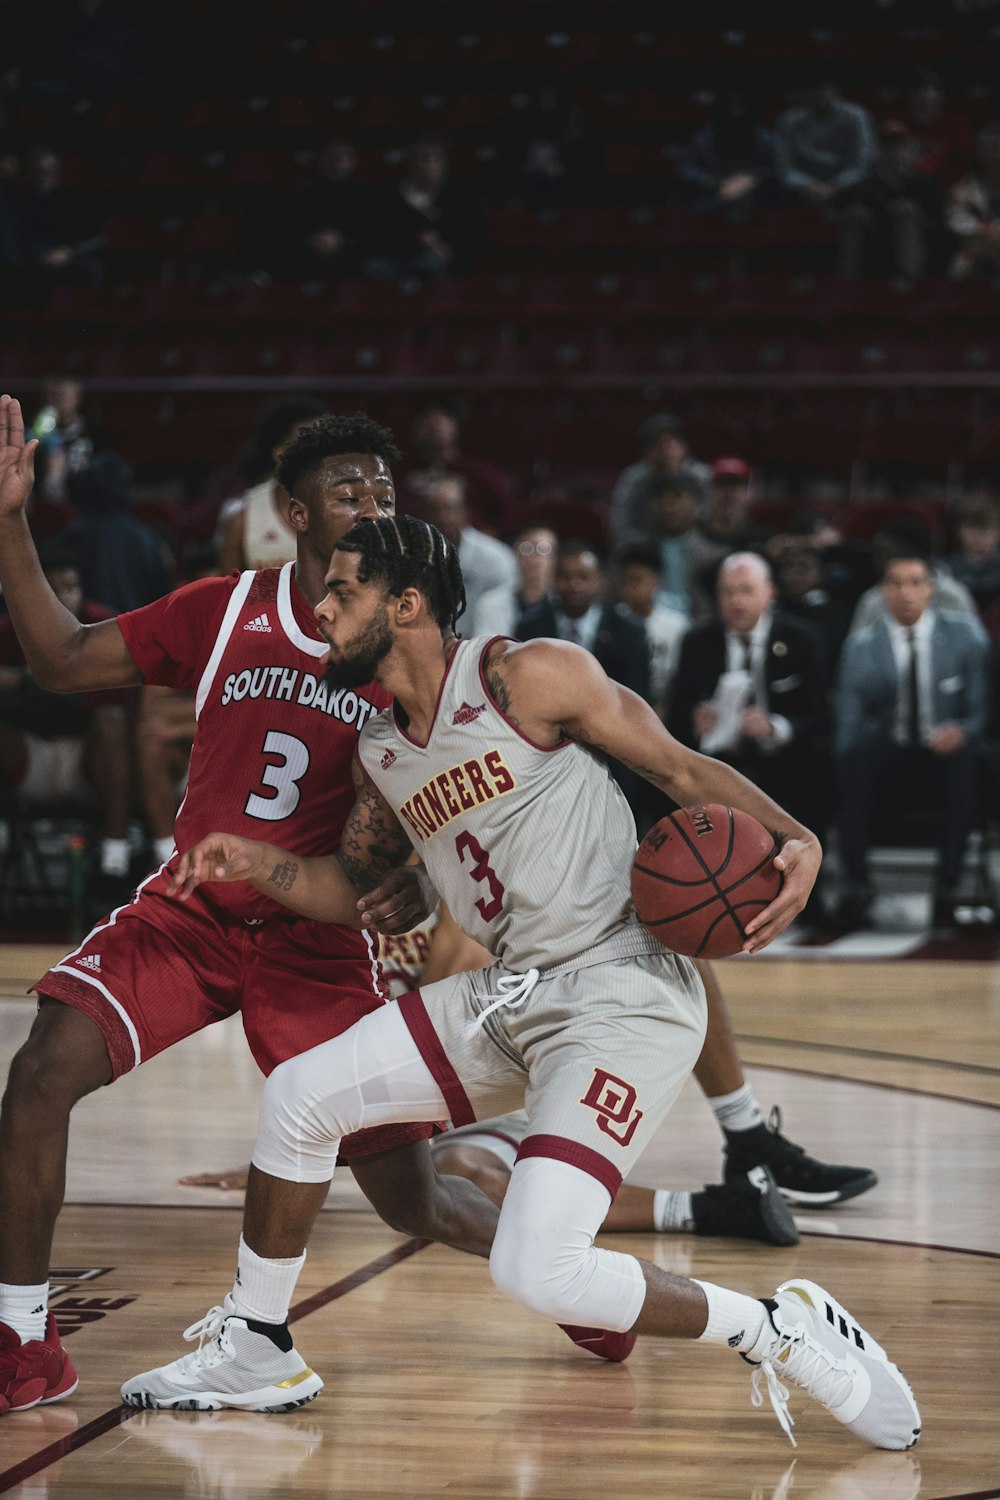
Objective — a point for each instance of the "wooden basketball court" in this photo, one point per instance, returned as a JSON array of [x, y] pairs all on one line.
[[437, 1386]]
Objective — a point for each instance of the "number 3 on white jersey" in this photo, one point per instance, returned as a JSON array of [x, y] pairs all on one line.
[[284, 778]]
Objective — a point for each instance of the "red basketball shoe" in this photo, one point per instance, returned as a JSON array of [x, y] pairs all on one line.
[[34, 1373], [599, 1341]]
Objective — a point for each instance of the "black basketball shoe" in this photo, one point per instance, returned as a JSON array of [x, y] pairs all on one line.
[[748, 1207], [801, 1178]]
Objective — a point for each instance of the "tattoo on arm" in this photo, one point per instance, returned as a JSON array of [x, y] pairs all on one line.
[[494, 669], [373, 842], [646, 772], [284, 874]]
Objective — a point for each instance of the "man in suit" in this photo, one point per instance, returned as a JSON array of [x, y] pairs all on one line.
[[575, 612], [911, 708], [750, 689]]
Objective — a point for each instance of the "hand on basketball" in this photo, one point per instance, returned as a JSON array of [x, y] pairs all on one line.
[[403, 900], [218, 856], [799, 863], [17, 459]]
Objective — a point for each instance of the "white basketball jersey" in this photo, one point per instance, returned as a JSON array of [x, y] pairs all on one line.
[[530, 847], [268, 539]]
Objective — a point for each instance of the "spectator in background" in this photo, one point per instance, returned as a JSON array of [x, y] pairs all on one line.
[[428, 227], [435, 452], [803, 594], [909, 534], [673, 513], [664, 453], [638, 578], [577, 613], [824, 149], [729, 164], [973, 211], [976, 562], [500, 609], [750, 689], [911, 708], [328, 220], [487, 565], [725, 526], [53, 232], [943, 137], [895, 211], [123, 562], [67, 442], [58, 746], [254, 530]]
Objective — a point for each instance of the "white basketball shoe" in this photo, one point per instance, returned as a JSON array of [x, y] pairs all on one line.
[[816, 1344], [234, 1365]]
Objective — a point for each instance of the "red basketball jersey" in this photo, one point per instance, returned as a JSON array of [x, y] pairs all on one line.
[[272, 754]]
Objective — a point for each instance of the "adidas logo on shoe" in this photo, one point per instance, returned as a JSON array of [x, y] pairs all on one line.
[[262, 625], [91, 961]]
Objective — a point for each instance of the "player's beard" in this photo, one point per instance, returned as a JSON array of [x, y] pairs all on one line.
[[359, 660]]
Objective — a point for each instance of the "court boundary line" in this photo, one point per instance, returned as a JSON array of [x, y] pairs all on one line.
[[117, 1415], [869, 1083], [846, 1049]]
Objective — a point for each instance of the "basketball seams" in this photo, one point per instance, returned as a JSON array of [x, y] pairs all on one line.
[[711, 881]]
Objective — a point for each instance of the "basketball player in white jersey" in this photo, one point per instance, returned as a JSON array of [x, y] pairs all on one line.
[[490, 762]]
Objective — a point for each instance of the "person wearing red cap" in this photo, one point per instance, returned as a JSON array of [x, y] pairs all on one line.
[[725, 526]]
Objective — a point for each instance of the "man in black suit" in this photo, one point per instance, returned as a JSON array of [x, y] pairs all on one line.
[[575, 612], [750, 690]]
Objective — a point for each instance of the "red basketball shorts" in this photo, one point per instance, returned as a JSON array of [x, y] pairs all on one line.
[[158, 970]]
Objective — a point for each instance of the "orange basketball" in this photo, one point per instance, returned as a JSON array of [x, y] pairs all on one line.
[[700, 875]]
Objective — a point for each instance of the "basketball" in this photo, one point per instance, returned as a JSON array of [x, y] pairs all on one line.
[[700, 875]]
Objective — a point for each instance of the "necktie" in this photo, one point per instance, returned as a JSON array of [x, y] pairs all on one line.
[[912, 691], [747, 666]]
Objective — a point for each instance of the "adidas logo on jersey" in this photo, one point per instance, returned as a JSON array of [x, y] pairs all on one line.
[[262, 624], [388, 759], [91, 961], [467, 714]]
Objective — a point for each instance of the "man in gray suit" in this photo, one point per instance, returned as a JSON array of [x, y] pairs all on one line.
[[912, 701]]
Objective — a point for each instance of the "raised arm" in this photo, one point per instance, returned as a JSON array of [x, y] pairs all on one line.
[[553, 688], [365, 884], [63, 655]]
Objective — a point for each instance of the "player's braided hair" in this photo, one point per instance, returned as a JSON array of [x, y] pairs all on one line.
[[403, 553], [328, 437]]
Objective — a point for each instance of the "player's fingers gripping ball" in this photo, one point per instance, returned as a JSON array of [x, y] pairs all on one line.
[[701, 875]]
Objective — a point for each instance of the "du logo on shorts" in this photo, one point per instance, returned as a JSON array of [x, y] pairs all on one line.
[[613, 1100]]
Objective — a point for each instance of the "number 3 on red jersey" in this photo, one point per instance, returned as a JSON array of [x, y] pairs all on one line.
[[481, 870], [283, 779]]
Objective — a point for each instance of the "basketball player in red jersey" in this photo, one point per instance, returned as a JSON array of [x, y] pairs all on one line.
[[271, 756]]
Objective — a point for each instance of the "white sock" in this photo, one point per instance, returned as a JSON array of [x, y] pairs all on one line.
[[114, 856], [733, 1318], [263, 1288], [24, 1309], [738, 1110], [163, 848], [672, 1212]]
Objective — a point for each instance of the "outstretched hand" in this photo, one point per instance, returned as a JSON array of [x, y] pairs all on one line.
[[799, 863], [403, 900], [218, 856], [17, 459]]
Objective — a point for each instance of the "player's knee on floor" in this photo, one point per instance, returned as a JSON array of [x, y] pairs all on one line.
[[544, 1253]]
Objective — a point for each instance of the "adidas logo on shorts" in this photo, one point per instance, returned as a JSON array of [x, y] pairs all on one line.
[[262, 624], [91, 961]]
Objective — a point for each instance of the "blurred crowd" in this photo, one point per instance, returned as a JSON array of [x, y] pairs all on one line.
[[855, 680], [906, 194]]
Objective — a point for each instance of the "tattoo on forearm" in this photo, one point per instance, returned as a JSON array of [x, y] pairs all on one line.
[[373, 843], [284, 874]]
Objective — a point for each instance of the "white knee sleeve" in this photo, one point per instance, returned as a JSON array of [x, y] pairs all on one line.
[[544, 1253], [372, 1075]]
